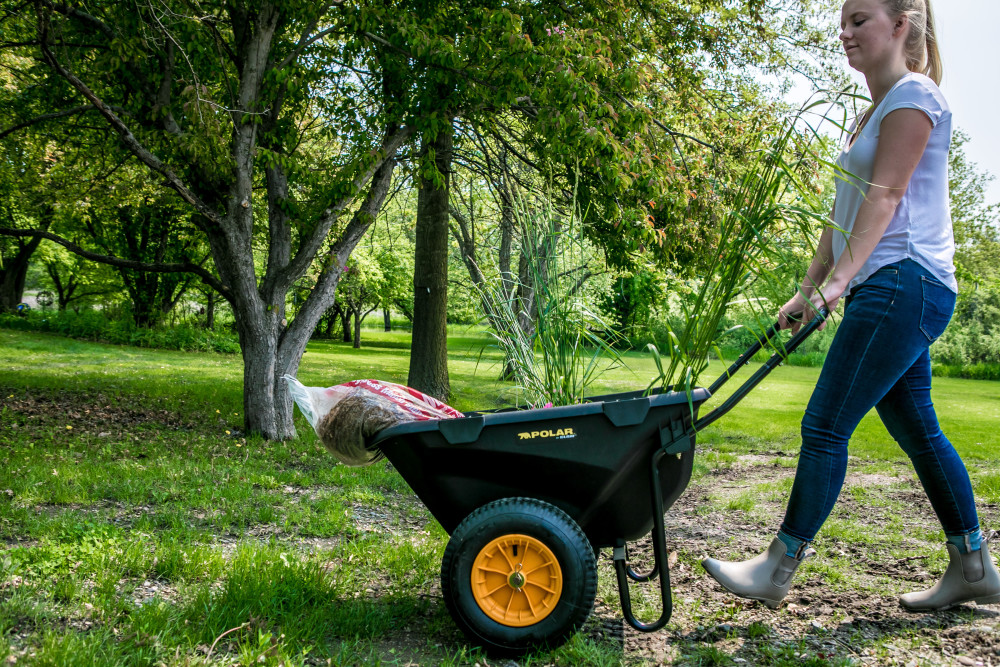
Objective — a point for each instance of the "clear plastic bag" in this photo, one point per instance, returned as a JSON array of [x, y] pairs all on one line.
[[345, 416]]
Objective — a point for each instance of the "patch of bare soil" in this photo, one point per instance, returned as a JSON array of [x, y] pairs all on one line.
[[840, 616], [87, 412]]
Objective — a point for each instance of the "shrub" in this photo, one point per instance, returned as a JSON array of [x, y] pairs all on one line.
[[772, 197], [966, 344], [981, 371], [97, 326]]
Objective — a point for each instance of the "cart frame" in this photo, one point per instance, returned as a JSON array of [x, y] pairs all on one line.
[[676, 439]]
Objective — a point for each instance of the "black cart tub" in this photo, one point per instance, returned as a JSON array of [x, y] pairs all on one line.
[[589, 460]]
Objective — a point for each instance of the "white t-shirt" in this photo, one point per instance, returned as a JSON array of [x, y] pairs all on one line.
[[921, 227]]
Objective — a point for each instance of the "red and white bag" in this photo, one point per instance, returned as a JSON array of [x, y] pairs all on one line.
[[346, 415]]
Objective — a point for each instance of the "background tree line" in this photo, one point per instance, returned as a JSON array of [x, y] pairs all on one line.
[[300, 165]]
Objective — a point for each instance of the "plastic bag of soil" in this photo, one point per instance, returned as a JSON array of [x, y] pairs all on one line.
[[346, 415]]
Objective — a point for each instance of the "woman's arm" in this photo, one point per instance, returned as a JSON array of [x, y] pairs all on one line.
[[821, 264], [818, 270], [904, 134]]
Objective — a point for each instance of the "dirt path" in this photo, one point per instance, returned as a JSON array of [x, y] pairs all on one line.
[[833, 613]]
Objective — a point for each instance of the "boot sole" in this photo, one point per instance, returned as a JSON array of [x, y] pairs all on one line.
[[770, 604], [989, 599]]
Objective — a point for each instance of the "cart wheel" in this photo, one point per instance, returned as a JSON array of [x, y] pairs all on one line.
[[519, 573]]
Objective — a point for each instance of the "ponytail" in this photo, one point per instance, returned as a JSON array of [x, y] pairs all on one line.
[[922, 53], [933, 67]]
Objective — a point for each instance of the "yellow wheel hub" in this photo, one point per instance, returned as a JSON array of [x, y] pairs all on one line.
[[516, 580]]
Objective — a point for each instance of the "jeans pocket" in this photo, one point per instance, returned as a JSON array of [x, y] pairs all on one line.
[[938, 305]]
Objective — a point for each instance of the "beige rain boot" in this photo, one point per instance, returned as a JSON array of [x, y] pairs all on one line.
[[766, 577], [970, 577]]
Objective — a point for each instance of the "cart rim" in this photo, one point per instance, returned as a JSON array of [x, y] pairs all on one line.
[[516, 580]]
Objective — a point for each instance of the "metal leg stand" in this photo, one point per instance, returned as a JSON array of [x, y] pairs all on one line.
[[661, 566]]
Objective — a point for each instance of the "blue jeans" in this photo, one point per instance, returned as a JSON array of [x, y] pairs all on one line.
[[879, 359]]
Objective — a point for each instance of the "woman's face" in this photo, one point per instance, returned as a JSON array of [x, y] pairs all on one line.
[[868, 33]]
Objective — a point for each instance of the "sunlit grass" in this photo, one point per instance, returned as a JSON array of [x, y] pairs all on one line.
[[159, 533], [200, 383]]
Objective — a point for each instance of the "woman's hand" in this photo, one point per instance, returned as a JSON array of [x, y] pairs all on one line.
[[790, 315], [798, 309]]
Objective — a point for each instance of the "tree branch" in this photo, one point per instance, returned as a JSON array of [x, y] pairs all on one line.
[[466, 245], [669, 131], [513, 150], [311, 245], [164, 92], [45, 117], [253, 51], [56, 114], [89, 19], [137, 149], [303, 43], [323, 293], [184, 267]]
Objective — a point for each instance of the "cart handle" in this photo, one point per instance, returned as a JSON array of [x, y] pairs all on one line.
[[763, 371]]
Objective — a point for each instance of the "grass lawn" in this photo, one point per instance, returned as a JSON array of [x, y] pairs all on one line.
[[140, 526]]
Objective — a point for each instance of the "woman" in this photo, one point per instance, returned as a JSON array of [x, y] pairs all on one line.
[[890, 252]]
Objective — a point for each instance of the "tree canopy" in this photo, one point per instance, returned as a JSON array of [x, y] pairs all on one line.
[[277, 127]]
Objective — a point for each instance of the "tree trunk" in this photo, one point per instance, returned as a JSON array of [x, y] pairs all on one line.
[[387, 319], [210, 311], [12, 277], [142, 288], [357, 329], [62, 299], [14, 270], [429, 351], [330, 319], [258, 332], [345, 324]]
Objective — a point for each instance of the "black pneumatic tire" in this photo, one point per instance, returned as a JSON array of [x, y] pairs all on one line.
[[547, 531]]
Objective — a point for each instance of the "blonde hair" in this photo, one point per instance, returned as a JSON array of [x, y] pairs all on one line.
[[922, 53]]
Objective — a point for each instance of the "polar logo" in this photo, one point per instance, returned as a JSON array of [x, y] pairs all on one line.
[[548, 433]]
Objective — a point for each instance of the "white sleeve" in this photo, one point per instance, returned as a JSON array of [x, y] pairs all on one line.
[[918, 92]]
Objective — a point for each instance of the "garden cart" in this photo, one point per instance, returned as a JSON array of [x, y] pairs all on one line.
[[529, 497]]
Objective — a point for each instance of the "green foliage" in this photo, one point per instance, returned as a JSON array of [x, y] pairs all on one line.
[[774, 198], [393, 251], [631, 300], [981, 371], [564, 331], [966, 346], [73, 281], [361, 288], [976, 222], [97, 326], [609, 94]]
